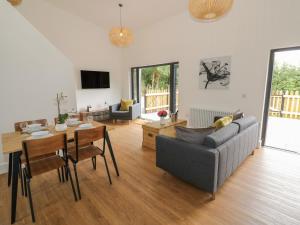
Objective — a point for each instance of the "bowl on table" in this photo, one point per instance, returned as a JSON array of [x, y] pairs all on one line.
[[86, 126], [61, 127], [33, 127], [72, 122], [40, 134]]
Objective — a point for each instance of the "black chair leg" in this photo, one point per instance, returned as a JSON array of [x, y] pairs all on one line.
[[62, 174], [77, 182], [107, 170], [71, 179], [59, 176], [94, 161], [25, 185], [66, 173], [9, 169], [30, 200], [21, 177]]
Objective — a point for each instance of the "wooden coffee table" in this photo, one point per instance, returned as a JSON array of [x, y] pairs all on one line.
[[151, 130]]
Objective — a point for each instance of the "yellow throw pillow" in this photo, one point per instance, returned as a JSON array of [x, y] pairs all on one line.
[[125, 104], [223, 122]]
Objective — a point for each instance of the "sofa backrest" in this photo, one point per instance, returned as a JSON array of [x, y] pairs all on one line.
[[226, 133], [245, 122], [221, 136]]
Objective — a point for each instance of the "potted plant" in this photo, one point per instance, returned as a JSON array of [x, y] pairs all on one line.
[[162, 115], [60, 126]]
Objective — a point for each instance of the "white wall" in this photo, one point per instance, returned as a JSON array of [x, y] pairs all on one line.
[[85, 44], [247, 33], [32, 71]]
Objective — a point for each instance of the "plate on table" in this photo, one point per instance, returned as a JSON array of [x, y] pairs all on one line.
[[34, 125], [33, 128], [73, 122], [86, 126], [40, 134]]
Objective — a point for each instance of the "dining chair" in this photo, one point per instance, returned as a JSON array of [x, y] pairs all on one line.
[[43, 147], [63, 174], [18, 128], [85, 148]]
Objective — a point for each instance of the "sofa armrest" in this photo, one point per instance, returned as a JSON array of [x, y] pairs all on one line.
[[115, 107], [135, 111], [195, 164]]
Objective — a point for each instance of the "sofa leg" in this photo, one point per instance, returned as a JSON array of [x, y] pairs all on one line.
[[213, 196], [253, 152]]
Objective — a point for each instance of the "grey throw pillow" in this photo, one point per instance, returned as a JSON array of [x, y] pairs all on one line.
[[238, 115], [193, 135]]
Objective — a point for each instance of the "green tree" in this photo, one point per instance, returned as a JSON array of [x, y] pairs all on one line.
[[286, 78], [156, 77]]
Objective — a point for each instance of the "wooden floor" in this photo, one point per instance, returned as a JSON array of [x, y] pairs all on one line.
[[264, 190]]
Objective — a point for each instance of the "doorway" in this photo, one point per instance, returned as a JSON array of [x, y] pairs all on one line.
[[282, 105], [156, 88]]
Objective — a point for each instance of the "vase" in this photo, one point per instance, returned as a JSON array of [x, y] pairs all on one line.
[[162, 121], [61, 127]]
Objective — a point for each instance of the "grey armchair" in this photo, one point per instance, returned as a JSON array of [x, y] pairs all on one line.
[[133, 113]]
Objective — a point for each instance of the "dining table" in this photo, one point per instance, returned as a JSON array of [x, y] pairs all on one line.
[[12, 144]]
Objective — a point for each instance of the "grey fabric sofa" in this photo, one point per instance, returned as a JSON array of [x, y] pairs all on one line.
[[133, 113], [208, 166]]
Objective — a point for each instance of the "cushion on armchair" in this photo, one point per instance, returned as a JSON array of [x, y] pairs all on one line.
[[125, 104]]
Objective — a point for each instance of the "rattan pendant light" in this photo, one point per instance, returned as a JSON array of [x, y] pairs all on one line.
[[15, 2], [209, 9], [121, 36]]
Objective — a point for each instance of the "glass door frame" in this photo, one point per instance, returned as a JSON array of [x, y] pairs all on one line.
[[137, 79], [269, 90]]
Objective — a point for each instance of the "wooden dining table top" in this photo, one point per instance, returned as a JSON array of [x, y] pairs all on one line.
[[12, 142]]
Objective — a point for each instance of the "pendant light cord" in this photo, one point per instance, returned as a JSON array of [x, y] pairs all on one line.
[[121, 24]]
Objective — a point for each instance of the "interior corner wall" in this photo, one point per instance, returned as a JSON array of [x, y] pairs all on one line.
[[32, 71], [247, 33], [84, 43]]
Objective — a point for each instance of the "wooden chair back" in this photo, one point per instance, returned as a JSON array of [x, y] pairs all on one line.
[[19, 125], [44, 146], [88, 136]]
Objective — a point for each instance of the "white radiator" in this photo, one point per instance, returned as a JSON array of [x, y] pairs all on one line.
[[204, 117]]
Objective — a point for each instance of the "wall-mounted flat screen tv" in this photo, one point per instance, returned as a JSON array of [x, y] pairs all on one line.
[[94, 79]]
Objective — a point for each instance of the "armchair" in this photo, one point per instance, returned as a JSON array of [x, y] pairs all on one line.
[[133, 113]]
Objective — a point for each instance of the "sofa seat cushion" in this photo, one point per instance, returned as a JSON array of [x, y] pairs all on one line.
[[192, 135], [221, 136], [245, 122], [121, 114]]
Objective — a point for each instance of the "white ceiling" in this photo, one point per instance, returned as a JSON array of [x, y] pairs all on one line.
[[136, 13]]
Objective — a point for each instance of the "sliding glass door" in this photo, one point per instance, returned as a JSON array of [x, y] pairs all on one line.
[[282, 103], [155, 87]]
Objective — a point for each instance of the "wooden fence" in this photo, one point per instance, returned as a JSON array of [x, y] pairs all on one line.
[[156, 100], [285, 104]]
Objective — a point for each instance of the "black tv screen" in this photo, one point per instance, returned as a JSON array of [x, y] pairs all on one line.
[[94, 79]]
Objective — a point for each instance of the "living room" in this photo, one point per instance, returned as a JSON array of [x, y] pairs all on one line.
[[45, 45]]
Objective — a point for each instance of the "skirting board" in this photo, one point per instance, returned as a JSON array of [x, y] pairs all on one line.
[[3, 167]]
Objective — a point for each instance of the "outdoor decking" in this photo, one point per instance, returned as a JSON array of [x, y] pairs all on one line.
[[283, 133]]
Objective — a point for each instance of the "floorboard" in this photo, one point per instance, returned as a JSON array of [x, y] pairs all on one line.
[[264, 190]]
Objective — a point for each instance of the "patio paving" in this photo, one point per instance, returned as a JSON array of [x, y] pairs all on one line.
[[283, 133]]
